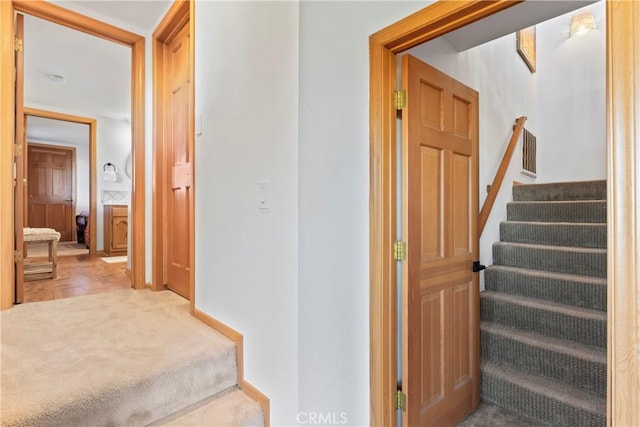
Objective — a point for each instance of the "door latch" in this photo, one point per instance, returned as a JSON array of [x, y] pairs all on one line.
[[476, 267]]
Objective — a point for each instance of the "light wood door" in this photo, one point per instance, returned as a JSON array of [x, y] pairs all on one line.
[[440, 209], [20, 144], [50, 189], [178, 166]]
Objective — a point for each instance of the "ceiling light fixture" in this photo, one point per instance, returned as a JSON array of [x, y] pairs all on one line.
[[581, 22], [55, 78]]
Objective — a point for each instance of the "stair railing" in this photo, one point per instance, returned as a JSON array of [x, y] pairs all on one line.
[[500, 173]]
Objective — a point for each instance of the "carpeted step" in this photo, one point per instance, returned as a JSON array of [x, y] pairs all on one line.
[[231, 408], [582, 190], [558, 259], [585, 235], [118, 358], [580, 325], [590, 211], [579, 291], [578, 365], [546, 400]]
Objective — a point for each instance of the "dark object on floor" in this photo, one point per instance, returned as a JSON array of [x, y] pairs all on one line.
[[82, 219]]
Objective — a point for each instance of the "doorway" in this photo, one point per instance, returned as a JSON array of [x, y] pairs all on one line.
[[622, 146], [79, 133], [108, 32]]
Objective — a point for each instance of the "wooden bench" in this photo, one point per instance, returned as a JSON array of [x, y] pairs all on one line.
[[42, 270]]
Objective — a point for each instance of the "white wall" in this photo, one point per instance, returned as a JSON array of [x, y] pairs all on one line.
[[334, 203], [246, 259], [571, 100], [113, 146], [507, 90]]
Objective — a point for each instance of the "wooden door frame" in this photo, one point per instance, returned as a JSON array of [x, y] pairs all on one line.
[[181, 12], [92, 123], [623, 226], [76, 21]]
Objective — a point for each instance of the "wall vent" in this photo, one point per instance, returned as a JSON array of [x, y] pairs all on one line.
[[528, 153]]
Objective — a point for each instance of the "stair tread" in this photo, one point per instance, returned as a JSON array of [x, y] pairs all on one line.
[[572, 348], [553, 248], [116, 368], [548, 387], [548, 223], [232, 407], [557, 202], [550, 274], [546, 305]]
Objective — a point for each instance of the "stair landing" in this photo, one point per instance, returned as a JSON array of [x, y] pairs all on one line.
[[119, 358]]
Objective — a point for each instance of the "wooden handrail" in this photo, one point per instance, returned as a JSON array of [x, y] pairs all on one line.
[[500, 173]]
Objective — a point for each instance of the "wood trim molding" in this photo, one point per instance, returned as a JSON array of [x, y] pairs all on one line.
[[158, 227], [138, 219], [181, 12], [93, 174], [623, 213], [237, 338], [7, 131], [68, 18], [424, 25], [494, 189]]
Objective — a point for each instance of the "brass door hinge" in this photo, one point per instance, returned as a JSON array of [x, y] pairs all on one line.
[[17, 256], [399, 250], [17, 44], [401, 401], [399, 99], [18, 149]]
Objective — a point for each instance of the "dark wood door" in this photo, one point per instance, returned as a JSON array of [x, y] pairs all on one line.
[[177, 79], [440, 210], [50, 189]]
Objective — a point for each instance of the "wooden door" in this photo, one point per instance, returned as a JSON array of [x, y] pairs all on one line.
[[19, 151], [50, 189], [440, 207], [178, 166]]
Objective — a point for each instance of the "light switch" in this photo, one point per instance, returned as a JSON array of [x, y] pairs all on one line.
[[264, 195], [199, 125]]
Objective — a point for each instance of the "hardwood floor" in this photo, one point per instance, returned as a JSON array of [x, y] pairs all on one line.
[[79, 275]]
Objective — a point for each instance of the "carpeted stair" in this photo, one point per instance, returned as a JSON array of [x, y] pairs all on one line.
[[543, 313], [123, 358]]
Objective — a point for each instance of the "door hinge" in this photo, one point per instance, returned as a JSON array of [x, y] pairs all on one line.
[[17, 44], [476, 266], [399, 250], [18, 149], [399, 99], [401, 401], [17, 256]]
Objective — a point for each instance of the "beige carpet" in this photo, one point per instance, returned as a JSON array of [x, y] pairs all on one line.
[[39, 250], [120, 358]]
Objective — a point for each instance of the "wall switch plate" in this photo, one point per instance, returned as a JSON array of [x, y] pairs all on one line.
[[199, 125], [264, 195]]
